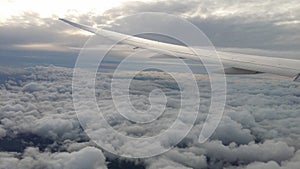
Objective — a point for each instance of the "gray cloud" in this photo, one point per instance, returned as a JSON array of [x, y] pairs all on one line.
[[233, 24], [271, 25]]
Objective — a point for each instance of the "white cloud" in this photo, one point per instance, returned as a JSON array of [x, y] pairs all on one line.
[[32, 87], [269, 150], [268, 165], [230, 131], [165, 164], [260, 124], [88, 157], [289, 164], [2, 132]]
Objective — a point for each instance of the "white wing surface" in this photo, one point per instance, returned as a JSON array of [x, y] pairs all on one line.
[[238, 63]]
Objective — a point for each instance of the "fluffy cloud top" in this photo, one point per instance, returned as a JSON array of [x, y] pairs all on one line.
[[258, 129], [88, 157]]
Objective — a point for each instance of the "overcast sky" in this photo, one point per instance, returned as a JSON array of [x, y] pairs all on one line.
[[32, 28]]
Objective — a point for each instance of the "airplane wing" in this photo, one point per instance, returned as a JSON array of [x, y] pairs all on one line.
[[237, 63]]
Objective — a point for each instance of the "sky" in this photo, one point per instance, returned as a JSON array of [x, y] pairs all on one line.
[[266, 28], [55, 8], [39, 125]]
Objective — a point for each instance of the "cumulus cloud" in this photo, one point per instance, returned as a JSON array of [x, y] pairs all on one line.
[[32, 87], [289, 164], [2, 133], [166, 164], [267, 151], [258, 129], [237, 133], [88, 157]]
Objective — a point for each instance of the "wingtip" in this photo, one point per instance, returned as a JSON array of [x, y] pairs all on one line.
[[61, 19], [297, 78], [67, 21], [84, 27]]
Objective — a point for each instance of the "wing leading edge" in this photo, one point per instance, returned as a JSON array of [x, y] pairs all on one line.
[[239, 62]]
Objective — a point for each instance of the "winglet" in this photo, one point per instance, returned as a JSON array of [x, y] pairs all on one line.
[[297, 78], [80, 26]]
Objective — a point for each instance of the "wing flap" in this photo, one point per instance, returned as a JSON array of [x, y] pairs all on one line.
[[238, 71]]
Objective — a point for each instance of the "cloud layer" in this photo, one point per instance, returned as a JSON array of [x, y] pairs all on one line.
[[258, 130]]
